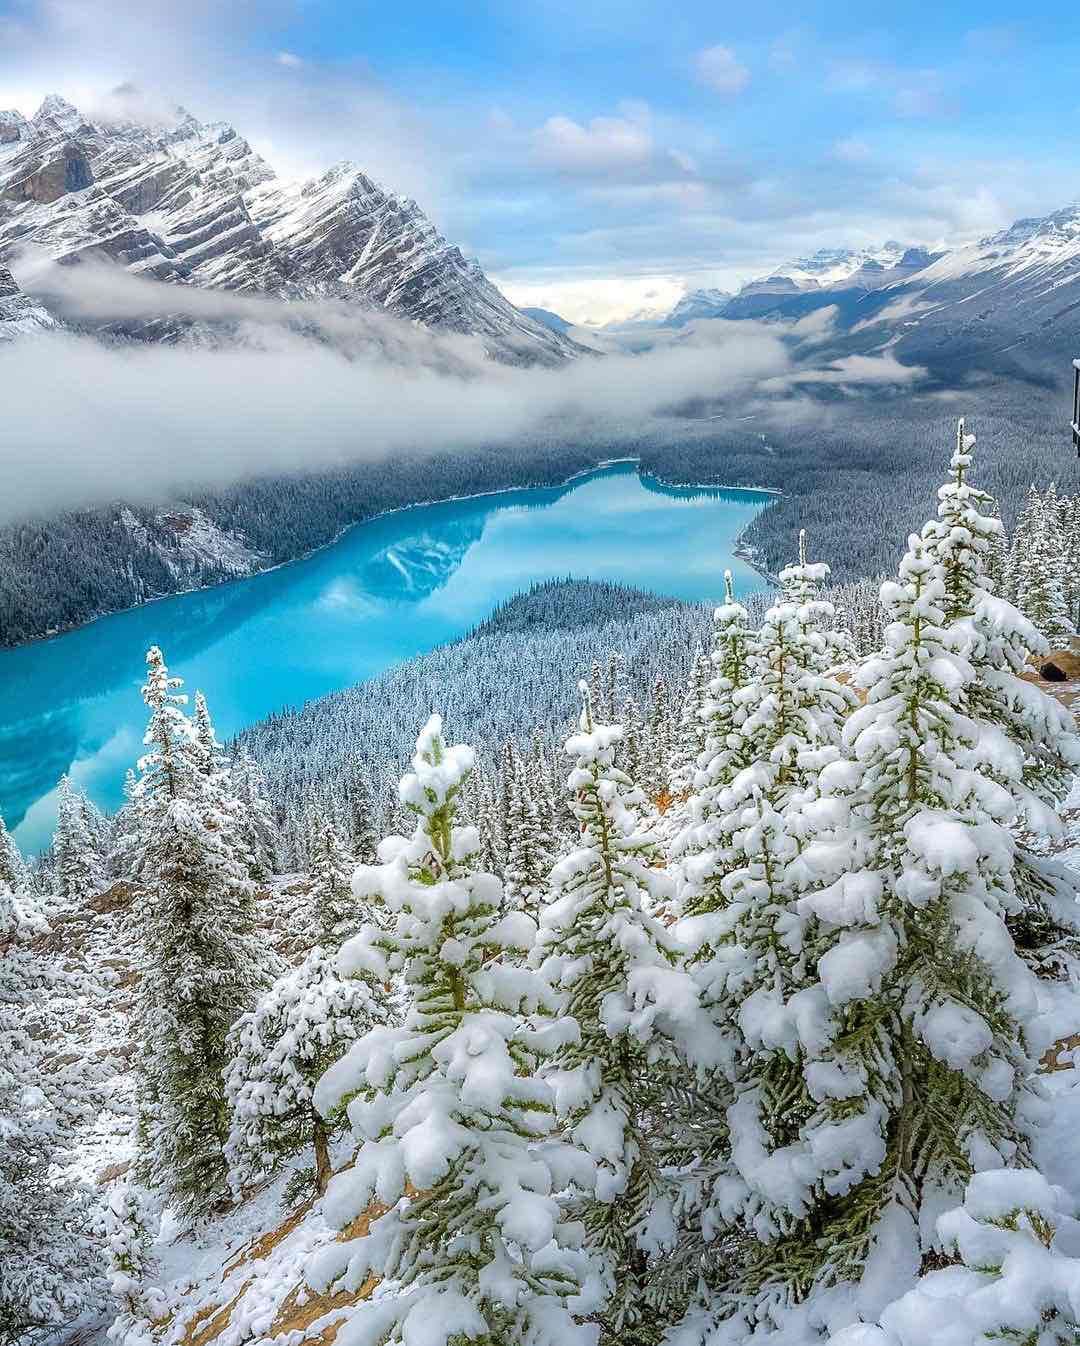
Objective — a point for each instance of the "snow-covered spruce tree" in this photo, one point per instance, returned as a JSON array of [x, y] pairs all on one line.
[[690, 738], [700, 847], [1069, 514], [633, 1010], [201, 962], [1013, 1283], [1023, 534], [747, 953], [1027, 743], [528, 845], [49, 1266], [913, 1041], [78, 865], [996, 557], [98, 826], [131, 1225], [279, 1050], [659, 742], [125, 829], [635, 746], [1040, 573], [237, 825], [793, 709], [453, 1117], [13, 870], [258, 825], [333, 910], [362, 835]]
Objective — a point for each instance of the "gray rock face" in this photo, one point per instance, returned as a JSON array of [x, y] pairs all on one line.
[[192, 203], [19, 314]]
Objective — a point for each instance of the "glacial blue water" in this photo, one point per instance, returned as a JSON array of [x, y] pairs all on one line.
[[385, 591]]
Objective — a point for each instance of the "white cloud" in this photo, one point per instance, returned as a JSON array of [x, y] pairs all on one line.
[[149, 423], [602, 300], [289, 59], [603, 143], [858, 371], [718, 68]]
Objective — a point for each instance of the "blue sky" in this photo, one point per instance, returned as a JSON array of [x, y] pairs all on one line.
[[598, 156]]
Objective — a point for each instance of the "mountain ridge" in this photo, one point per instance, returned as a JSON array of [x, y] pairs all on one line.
[[188, 202]]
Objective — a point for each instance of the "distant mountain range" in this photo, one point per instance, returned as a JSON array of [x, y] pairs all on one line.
[[192, 203], [1009, 303]]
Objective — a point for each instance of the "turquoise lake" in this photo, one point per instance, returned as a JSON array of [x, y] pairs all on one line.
[[386, 590]]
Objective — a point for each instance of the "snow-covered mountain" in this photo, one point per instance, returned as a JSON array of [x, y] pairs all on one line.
[[828, 271], [19, 314], [831, 267], [192, 203], [706, 303], [1010, 302]]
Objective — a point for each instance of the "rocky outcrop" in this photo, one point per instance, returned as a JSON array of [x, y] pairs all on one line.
[[193, 203], [19, 314]]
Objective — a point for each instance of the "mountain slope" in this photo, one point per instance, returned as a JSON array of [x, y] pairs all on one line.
[[1008, 304], [193, 203], [19, 314]]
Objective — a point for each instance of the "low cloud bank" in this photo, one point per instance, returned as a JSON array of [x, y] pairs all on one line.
[[310, 386]]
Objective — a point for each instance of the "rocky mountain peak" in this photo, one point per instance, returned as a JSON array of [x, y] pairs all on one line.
[[58, 111], [190, 202], [54, 105]]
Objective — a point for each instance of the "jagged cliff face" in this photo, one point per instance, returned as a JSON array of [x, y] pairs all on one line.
[[192, 203], [18, 313]]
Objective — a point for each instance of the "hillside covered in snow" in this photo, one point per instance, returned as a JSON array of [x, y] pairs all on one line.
[[741, 1010]]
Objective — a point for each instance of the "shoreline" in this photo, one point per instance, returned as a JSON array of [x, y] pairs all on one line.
[[601, 466]]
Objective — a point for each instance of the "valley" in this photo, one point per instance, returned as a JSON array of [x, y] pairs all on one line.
[[539, 669], [388, 590]]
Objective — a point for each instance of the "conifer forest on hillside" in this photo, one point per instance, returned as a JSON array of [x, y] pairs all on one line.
[[539, 674], [706, 996]]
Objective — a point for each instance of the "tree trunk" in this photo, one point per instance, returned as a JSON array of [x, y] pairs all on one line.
[[322, 1155]]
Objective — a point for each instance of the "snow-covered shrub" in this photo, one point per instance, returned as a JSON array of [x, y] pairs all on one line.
[[131, 1225], [280, 1049]]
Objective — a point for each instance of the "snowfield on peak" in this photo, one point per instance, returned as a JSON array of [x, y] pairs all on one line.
[[831, 266]]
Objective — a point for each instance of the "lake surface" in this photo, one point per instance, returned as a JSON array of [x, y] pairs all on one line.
[[387, 590]]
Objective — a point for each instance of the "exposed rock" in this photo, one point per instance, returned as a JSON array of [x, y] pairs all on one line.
[[1062, 666], [19, 315], [112, 1172], [114, 898], [47, 177]]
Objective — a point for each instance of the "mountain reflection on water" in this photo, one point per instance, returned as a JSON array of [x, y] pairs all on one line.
[[387, 590]]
